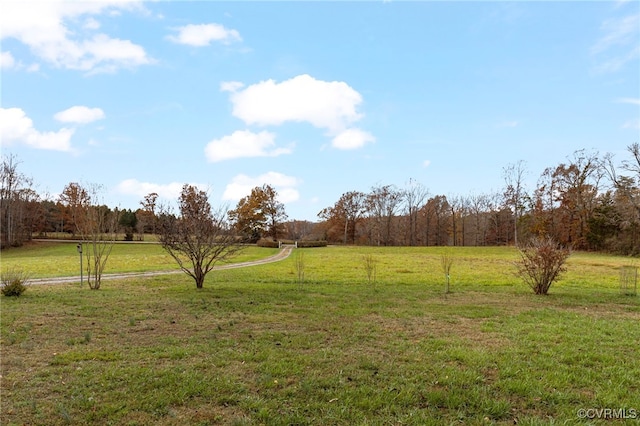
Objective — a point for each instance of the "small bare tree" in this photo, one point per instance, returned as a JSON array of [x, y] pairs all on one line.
[[18, 204], [198, 238], [446, 260], [370, 267], [99, 236], [299, 266], [414, 196], [95, 223], [541, 263], [515, 192]]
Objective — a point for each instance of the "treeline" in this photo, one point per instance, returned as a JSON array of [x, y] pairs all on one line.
[[589, 202], [79, 214], [24, 214]]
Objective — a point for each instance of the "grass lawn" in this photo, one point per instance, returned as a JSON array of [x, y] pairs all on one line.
[[257, 347]]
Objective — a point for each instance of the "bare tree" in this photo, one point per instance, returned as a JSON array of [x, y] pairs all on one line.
[[298, 229], [617, 221], [9, 182], [479, 209], [99, 236], [414, 198], [633, 166], [370, 266], [18, 204], [514, 192], [382, 205], [627, 185], [458, 208], [446, 261], [198, 238], [298, 263]]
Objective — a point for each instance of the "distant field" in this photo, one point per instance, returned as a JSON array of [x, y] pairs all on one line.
[[57, 259], [67, 236], [256, 347]]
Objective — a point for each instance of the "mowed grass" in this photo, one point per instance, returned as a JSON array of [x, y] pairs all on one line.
[[256, 347]]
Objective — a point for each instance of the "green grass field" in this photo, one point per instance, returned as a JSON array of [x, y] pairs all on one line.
[[257, 347], [51, 259]]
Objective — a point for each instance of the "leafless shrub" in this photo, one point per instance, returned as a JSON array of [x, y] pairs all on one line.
[[298, 263], [541, 263], [12, 282], [370, 265], [446, 260]]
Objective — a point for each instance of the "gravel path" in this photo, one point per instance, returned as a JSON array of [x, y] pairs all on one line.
[[283, 254]]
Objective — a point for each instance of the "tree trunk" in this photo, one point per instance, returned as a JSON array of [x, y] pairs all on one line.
[[346, 224], [199, 276]]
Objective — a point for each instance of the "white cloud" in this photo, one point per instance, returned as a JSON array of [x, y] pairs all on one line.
[[325, 104], [618, 62], [620, 31], [618, 45], [91, 24], [352, 139], [328, 105], [243, 143], [231, 86], [169, 191], [48, 28], [16, 127], [7, 61], [79, 114], [288, 195], [241, 186], [633, 101], [200, 35], [426, 163]]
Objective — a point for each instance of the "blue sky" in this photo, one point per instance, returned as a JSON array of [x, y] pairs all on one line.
[[313, 98]]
